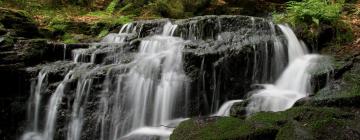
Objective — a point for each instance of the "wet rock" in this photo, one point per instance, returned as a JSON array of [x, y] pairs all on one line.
[[218, 57], [35, 51], [15, 56], [239, 109]]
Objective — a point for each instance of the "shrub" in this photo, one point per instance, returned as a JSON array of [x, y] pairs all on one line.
[[111, 7], [311, 15], [311, 12]]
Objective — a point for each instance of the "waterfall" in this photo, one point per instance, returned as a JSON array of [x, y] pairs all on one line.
[[64, 54], [36, 100], [269, 61], [225, 108], [294, 82], [135, 84], [146, 96], [295, 47], [292, 85], [81, 95], [51, 116]]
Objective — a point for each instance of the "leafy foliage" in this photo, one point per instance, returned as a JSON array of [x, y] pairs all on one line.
[[311, 12], [311, 15], [111, 7]]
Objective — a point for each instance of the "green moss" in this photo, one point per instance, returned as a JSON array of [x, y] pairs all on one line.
[[294, 131], [302, 114], [7, 41], [111, 7], [222, 128], [68, 39], [344, 33], [169, 9], [176, 8], [347, 91], [313, 122], [269, 118], [103, 33], [209, 131]]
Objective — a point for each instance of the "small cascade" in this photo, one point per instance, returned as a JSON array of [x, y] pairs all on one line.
[[78, 55], [51, 116], [295, 47], [268, 61], [36, 100], [64, 55], [121, 36], [283, 94], [292, 85], [225, 108], [79, 106], [53, 106]]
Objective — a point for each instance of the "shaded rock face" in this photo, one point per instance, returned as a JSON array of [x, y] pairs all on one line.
[[18, 23], [222, 57], [16, 80]]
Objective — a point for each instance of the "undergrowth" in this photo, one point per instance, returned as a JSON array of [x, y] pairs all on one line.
[[312, 15]]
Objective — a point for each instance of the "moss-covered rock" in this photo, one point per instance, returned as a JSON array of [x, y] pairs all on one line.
[[19, 23], [222, 128], [296, 123]]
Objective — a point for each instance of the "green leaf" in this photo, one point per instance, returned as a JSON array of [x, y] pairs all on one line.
[[315, 20]]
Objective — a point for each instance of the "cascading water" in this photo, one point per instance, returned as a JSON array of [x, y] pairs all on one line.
[[146, 96], [225, 108], [293, 84], [79, 106], [129, 86], [51, 116], [35, 103]]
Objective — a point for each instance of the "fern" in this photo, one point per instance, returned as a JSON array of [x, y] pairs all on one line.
[[313, 11], [111, 8]]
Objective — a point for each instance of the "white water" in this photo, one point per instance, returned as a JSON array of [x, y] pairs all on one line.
[[226, 107], [78, 55], [295, 47], [119, 37], [159, 55], [294, 82], [37, 100], [262, 71], [51, 116], [64, 54], [147, 96], [82, 93]]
